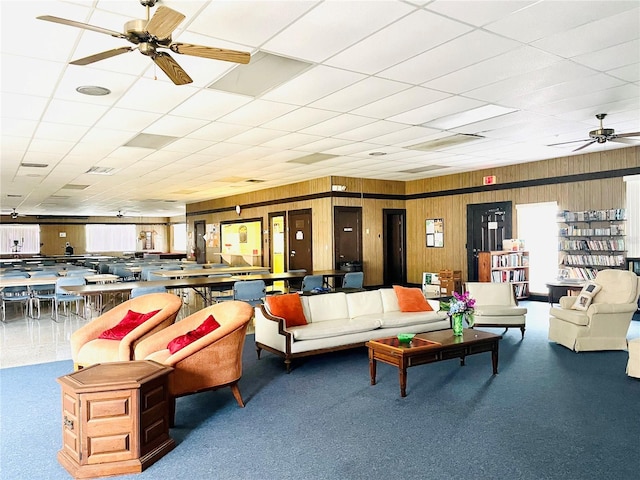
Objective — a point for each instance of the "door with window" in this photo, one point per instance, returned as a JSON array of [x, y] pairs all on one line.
[[347, 228], [200, 242], [488, 224], [394, 247]]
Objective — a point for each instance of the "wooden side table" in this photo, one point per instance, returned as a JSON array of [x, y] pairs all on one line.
[[115, 418]]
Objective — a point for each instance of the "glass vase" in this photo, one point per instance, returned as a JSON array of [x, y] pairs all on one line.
[[457, 323]]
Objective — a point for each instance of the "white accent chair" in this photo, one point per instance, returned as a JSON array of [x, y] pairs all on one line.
[[633, 365], [496, 306], [605, 323]]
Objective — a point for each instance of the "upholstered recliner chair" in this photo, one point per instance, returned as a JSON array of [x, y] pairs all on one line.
[[602, 321], [87, 348], [496, 306], [210, 361]]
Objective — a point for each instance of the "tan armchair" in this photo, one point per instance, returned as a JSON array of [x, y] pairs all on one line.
[[496, 306], [211, 362], [604, 324], [87, 349]]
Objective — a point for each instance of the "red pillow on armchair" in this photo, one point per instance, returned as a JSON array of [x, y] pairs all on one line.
[[130, 321], [178, 343]]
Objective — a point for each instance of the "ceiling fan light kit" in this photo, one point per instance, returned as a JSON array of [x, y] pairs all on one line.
[[149, 36]]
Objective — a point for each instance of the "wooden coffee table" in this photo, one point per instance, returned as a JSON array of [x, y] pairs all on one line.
[[428, 348]]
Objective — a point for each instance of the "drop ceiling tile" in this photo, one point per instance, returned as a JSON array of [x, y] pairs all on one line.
[[435, 110], [73, 113], [223, 149], [627, 94], [322, 146], [127, 120], [51, 146], [409, 135], [630, 73], [338, 124], [604, 33], [613, 57], [18, 128], [312, 85], [27, 84], [210, 104], [154, 96], [371, 131], [22, 107], [244, 22], [409, 36], [547, 18], [558, 73], [218, 131], [476, 13], [329, 28], [255, 136], [366, 91], [257, 112], [300, 118], [56, 131], [188, 145], [291, 140], [456, 54], [353, 148], [512, 63], [175, 126], [400, 102]]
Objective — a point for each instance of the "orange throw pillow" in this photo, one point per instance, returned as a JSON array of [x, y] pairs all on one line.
[[289, 307], [411, 300]]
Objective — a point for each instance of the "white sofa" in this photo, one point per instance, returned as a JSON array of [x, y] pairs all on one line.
[[337, 321]]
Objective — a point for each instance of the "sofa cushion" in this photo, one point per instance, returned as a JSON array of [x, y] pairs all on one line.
[[403, 319], [334, 328], [288, 307], [389, 300], [572, 316], [499, 310], [364, 303], [326, 306], [129, 323], [411, 299], [206, 327]]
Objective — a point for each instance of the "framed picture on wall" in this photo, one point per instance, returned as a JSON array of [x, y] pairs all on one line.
[[434, 228]]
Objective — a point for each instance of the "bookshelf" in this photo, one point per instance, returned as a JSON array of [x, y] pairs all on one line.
[[591, 240], [506, 266]]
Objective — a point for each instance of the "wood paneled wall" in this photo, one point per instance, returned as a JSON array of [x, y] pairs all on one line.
[[571, 193]]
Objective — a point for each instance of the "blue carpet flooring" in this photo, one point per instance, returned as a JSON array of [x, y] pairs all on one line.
[[549, 414]]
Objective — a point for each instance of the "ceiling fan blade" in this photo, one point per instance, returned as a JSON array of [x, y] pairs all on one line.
[[86, 26], [566, 143], [172, 69], [211, 52], [632, 134], [101, 56], [585, 145], [621, 139], [163, 22]]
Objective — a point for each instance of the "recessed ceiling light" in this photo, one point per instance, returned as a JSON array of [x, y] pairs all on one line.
[[93, 90]]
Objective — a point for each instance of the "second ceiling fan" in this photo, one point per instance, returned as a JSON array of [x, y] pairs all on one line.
[[602, 135], [151, 36]]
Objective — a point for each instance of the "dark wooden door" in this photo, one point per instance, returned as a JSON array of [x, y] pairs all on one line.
[[488, 224], [394, 247], [347, 232], [200, 242], [300, 242]]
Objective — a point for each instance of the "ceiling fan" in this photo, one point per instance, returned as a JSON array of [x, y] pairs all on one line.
[[602, 135], [119, 214], [150, 36]]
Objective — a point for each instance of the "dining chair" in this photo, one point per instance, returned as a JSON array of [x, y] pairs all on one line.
[[64, 297], [310, 282], [250, 291], [353, 280], [18, 294], [44, 292], [139, 291]]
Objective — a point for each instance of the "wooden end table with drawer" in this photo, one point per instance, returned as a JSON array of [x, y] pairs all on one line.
[[115, 418], [428, 348]]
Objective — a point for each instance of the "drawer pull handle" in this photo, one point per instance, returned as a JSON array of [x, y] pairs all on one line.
[[68, 423]]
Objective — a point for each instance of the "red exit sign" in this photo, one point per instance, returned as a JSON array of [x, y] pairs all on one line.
[[489, 180]]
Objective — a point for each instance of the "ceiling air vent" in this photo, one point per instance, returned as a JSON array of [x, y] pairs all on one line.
[[33, 165], [149, 140], [312, 158], [72, 186], [428, 168], [100, 171]]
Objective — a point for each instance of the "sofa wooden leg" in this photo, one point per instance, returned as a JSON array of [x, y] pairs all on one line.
[[287, 364], [258, 351], [236, 393], [522, 330]]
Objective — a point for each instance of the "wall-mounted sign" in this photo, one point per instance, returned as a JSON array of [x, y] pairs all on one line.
[[348, 229], [489, 180]]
